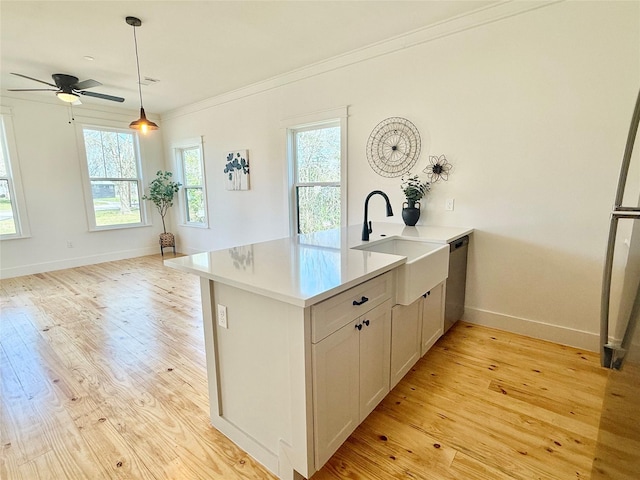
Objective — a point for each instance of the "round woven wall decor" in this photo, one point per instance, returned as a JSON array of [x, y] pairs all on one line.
[[393, 147]]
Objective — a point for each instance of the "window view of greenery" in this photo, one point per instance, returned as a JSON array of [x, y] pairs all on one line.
[[318, 208], [193, 185], [113, 173], [7, 220], [317, 153]]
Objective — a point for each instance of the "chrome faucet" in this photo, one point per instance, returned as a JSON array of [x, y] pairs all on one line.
[[366, 226]]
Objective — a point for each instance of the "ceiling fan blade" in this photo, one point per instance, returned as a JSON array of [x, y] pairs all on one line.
[[34, 79], [90, 83], [32, 89], [101, 95]]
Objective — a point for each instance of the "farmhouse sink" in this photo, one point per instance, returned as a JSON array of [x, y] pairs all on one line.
[[427, 265]]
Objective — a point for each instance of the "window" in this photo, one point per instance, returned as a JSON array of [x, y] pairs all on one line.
[[113, 169], [193, 192], [13, 216], [316, 159]]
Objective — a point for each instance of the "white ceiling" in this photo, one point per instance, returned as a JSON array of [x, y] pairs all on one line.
[[196, 49]]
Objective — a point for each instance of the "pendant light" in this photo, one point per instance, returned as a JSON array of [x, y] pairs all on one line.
[[142, 123]]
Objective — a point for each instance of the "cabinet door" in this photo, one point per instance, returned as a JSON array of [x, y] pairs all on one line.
[[335, 390], [405, 338], [432, 317], [375, 351]]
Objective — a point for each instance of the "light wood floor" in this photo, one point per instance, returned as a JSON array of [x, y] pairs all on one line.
[[103, 376]]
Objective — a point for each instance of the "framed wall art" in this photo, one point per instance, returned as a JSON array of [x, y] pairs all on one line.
[[236, 170]]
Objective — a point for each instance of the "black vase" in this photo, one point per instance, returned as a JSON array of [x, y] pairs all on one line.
[[410, 212]]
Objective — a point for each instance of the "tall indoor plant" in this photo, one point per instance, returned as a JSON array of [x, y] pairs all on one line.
[[161, 192], [414, 189]]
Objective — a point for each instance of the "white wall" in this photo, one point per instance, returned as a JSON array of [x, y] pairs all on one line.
[[51, 176], [531, 110], [236, 217]]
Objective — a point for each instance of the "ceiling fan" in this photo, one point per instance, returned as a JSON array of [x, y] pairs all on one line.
[[67, 88]]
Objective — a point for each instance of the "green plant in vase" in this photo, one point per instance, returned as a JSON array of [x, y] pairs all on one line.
[[161, 192], [414, 189]]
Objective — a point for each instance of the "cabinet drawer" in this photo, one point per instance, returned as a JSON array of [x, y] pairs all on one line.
[[337, 311]]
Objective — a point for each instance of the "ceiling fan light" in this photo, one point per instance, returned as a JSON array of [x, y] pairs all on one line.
[[67, 97], [142, 123]]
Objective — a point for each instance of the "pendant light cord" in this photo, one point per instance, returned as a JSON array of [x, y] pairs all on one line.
[[135, 42]]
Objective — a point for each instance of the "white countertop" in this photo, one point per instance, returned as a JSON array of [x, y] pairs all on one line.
[[307, 269]]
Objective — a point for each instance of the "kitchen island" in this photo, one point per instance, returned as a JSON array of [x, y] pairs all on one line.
[[298, 338]]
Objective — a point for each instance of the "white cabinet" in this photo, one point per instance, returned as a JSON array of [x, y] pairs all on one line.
[[336, 400], [350, 377], [375, 351], [414, 330], [432, 317], [406, 323]]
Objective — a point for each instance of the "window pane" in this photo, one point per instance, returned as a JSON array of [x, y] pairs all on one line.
[[3, 162], [192, 167], [318, 208], [195, 202], [93, 147], [318, 155], [7, 221], [126, 156], [110, 154], [116, 203]]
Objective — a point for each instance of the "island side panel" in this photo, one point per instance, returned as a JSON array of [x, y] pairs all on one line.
[[259, 385], [208, 319]]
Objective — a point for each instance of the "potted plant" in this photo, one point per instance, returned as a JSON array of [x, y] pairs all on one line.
[[414, 189], [161, 193]]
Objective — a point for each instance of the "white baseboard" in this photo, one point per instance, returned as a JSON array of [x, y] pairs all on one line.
[[75, 262], [531, 328]]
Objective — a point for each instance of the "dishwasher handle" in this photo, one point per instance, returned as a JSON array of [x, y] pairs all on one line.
[[459, 243]]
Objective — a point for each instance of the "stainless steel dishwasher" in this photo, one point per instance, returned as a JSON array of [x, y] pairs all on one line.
[[454, 297]]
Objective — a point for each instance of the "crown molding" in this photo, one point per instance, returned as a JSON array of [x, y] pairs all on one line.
[[477, 18]]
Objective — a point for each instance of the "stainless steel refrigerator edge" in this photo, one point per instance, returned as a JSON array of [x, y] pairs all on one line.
[[617, 452]]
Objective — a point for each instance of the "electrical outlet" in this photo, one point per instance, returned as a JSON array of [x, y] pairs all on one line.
[[449, 204], [222, 316]]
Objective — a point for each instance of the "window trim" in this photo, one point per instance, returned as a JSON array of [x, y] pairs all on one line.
[[178, 149], [335, 117], [86, 178], [14, 178]]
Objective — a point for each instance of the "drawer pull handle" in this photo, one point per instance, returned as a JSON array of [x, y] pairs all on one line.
[[359, 326], [366, 322], [362, 300]]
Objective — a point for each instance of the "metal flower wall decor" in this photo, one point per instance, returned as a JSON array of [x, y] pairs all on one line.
[[438, 168]]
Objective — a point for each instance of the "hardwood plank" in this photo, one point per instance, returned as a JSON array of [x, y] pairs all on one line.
[[393, 445], [56, 403], [468, 468], [126, 379], [616, 455], [22, 433]]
